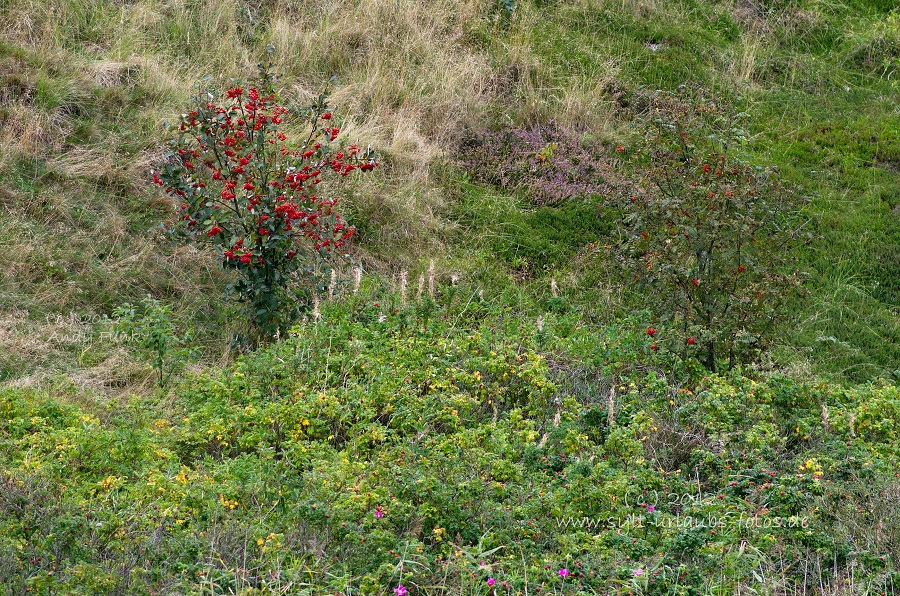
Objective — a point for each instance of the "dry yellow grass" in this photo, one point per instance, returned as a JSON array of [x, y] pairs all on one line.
[[406, 81], [409, 79]]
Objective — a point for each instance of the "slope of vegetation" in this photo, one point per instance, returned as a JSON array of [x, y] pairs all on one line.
[[440, 446], [489, 405], [86, 88]]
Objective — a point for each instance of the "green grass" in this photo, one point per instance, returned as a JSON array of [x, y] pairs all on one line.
[[477, 418], [533, 241]]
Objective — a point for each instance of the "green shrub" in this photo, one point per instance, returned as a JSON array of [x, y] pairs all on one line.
[[711, 241], [152, 329]]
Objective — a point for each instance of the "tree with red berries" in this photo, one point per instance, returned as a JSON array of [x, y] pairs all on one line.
[[709, 240], [242, 187]]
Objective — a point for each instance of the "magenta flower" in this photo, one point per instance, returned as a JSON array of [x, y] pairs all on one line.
[[491, 581], [650, 508], [400, 590], [379, 514], [638, 572], [564, 573]]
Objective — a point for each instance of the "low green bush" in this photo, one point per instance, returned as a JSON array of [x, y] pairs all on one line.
[[364, 453]]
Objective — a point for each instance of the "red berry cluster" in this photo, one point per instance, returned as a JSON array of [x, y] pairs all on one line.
[[266, 192], [651, 331]]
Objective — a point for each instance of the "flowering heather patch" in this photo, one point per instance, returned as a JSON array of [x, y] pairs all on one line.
[[547, 162]]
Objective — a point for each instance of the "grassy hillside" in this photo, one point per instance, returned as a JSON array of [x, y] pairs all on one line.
[[87, 86], [500, 410]]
